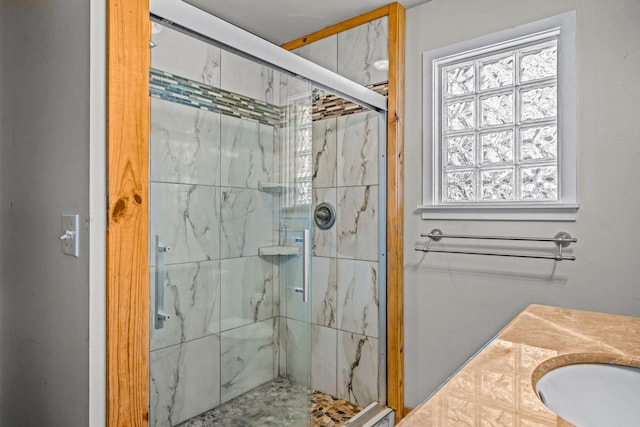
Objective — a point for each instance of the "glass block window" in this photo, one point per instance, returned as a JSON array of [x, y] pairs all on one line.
[[304, 172], [499, 124], [498, 137], [297, 160]]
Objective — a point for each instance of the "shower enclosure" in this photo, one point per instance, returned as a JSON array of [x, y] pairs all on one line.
[[260, 313]]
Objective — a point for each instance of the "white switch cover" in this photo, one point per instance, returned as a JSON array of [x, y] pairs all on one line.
[[69, 237]]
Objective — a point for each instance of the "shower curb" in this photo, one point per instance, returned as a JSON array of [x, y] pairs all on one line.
[[374, 415]]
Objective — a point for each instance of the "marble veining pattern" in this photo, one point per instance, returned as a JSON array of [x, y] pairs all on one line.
[[360, 49], [324, 342], [298, 351], [247, 358], [358, 297], [357, 148], [216, 133], [247, 222], [357, 368], [184, 144], [247, 152], [247, 291], [184, 381], [324, 297], [185, 56], [191, 300], [357, 223], [324, 153], [187, 219], [245, 77]]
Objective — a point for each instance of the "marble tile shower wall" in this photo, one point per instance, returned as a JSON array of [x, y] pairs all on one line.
[[355, 53], [205, 204], [235, 322], [345, 262], [345, 259], [344, 333]]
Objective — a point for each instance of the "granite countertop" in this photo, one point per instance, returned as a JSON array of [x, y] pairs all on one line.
[[497, 386]]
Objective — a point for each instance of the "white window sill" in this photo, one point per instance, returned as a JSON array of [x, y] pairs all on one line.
[[502, 212]]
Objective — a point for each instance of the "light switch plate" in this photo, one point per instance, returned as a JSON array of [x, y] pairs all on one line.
[[69, 237]]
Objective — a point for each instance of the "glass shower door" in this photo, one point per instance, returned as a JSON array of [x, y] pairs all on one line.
[[230, 191], [295, 231], [240, 154]]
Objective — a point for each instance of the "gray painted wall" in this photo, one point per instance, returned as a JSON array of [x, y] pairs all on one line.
[[44, 172], [455, 303]]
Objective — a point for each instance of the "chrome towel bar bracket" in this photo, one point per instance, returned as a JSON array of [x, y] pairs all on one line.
[[560, 240]]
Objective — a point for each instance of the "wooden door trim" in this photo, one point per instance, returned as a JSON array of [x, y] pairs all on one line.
[[337, 28], [395, 211], [128, 35], [395, 187]]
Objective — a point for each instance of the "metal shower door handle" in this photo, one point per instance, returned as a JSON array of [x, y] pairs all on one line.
[[306, 264], [159, 316]]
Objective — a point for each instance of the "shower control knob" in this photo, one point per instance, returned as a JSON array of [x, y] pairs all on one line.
[[324, 216]]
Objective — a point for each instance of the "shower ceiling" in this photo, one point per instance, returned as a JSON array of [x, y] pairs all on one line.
[[280, 21]]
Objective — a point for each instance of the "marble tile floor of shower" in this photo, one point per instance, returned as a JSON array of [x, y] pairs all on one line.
[[278, 403]]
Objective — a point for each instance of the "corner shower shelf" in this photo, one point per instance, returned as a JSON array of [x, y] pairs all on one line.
[[278, 250], [273, 187]]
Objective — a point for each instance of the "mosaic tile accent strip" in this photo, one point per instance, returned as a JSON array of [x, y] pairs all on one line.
[[327, 106], [173, 88], [279, 403]]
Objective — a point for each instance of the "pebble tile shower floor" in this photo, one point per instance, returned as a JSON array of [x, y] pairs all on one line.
[[278, 403]]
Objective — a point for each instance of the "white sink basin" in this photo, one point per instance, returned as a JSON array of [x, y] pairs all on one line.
[[593, 395]]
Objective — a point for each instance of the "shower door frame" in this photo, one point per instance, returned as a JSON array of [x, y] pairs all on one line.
[[395, 14], [128, 127]]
